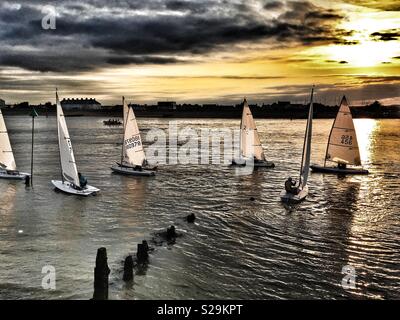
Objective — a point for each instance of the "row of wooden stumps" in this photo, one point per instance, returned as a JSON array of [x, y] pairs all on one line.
[[102, 271]]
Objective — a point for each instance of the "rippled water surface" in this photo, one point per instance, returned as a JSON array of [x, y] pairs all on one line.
[[237, 248]]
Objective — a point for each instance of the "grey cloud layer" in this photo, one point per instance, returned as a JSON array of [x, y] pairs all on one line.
[[94, 34]]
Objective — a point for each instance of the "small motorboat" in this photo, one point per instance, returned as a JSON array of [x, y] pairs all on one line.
[[112, 122]]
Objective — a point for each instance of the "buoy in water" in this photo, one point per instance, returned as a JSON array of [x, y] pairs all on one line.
[[190, 218]]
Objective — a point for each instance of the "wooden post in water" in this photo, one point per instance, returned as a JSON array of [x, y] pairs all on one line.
[[101, 272], [142, 253], [128, 269]]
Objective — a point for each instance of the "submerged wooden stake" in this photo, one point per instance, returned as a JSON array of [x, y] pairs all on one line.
[[142, 252], [171, 233], [128, 269], [101, 272]]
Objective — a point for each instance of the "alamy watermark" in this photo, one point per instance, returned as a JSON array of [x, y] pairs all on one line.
[[49, 280], [49, 19], [218, 146], [349, 279]]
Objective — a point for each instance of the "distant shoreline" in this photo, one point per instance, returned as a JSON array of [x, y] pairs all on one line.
[[374, 111]]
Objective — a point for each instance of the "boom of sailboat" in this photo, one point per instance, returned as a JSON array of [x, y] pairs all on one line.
[[342, 149]]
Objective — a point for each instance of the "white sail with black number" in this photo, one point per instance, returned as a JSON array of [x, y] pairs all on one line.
[[342, 145], [305, 162], [7, 160], [250, 144], [132, 148], [67, 158]]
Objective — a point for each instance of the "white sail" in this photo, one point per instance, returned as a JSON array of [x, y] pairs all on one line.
[[7, 160], [68, 165], [305, 162], [132, 148], [250, 144], [342, 144]]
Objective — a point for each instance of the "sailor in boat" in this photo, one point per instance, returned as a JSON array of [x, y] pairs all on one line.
[[341, 165], [290, 186], [82, 181]]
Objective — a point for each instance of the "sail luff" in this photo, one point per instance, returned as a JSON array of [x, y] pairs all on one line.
[[342, 143], [68, 166], [306, 156], [6, 153]]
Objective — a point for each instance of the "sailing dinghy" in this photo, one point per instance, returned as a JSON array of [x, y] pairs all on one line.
[[250, 144], [342, 145], [8, 168], [133, 159], [69, 182], [305, 163]]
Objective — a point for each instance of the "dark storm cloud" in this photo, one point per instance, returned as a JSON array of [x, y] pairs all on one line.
[[387, 35], [95, 34], [273, 5]]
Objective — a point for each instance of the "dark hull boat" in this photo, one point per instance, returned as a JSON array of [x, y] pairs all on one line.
[[336, 170]]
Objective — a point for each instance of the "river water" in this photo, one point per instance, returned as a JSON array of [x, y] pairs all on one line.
[[237, 248]]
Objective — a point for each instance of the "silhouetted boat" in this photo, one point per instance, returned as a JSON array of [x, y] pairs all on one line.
[[112, 122]]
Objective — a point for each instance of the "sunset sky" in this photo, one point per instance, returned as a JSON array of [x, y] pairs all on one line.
[[201, 51]]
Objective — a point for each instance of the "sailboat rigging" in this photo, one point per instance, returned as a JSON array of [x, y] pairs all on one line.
[[70, 180], [250, 147], [301, 192], [8, 167], [342, 147], [133, 159]]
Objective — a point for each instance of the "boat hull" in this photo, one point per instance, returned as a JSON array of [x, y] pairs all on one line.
[[13, 176], [294, 198], [128, 171], [335, 170], [258, 164], [68, 188], [264, 164]]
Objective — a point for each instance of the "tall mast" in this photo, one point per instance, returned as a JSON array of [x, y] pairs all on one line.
[[306, 133], [125, 121], [58, 133]]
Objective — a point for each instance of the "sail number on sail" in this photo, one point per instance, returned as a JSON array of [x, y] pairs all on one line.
[[346, 139], [133, 142]]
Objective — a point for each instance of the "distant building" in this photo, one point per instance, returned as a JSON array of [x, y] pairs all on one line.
[[166, 105], [2, 103], [80, 104]]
